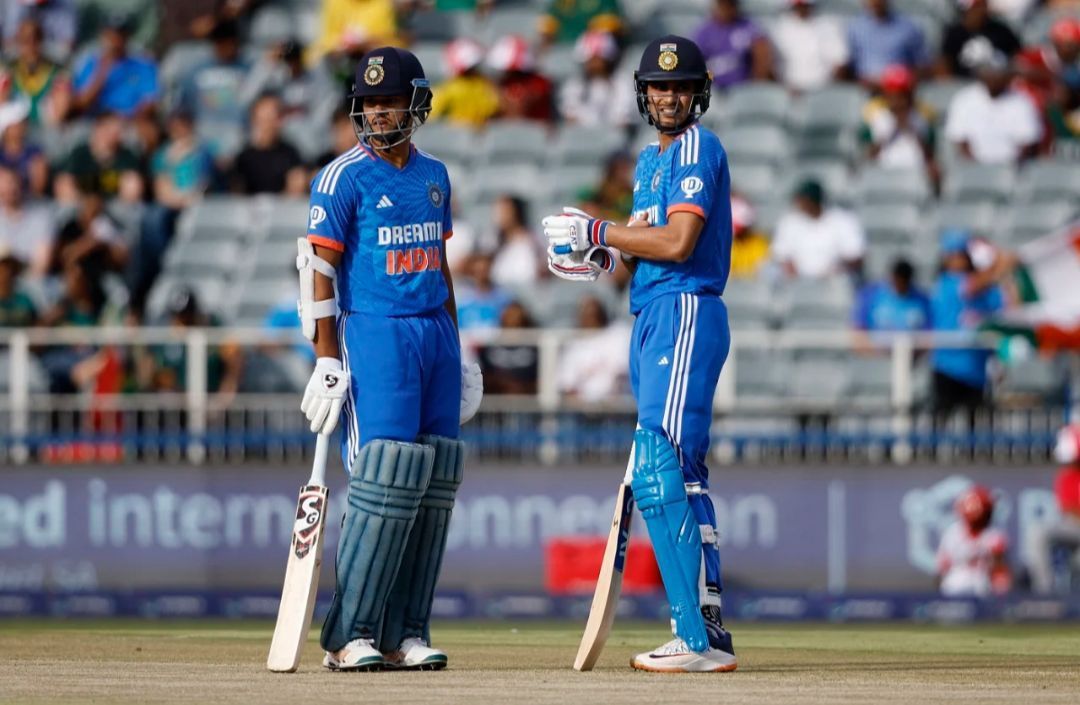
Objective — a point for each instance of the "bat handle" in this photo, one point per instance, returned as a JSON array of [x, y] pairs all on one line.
[[318, 468], [563, 249]]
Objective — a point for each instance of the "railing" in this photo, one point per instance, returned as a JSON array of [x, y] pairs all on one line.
[[197, 424]]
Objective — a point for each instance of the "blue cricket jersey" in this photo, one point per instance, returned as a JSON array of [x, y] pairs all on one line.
[[690, 175], [389, 224], [954, 309]]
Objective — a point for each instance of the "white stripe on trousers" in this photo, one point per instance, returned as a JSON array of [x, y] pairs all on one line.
[[352, 428], [680, 372]]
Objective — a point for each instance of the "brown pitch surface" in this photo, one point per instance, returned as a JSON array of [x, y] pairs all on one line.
[[493, 662]]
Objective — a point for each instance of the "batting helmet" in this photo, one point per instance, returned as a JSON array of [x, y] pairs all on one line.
[[673, 58], [390, 71]]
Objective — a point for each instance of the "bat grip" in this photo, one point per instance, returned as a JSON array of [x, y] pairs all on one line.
[[563, 249], [318, 467]]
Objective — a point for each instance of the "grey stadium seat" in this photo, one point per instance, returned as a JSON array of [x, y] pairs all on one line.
[[254, 299], [432, 58], [198, 258], [566, 182], [833, 174], [1049, 181], [891, 223], [559, 63], [583, 144], [938, 95], [447, 142], [495, 180], [514, 141], [761, 374], [755, 181], [966, 182], [883, 185], [274, 259], [216, 218], [432, 25], [980, 218], [210, 291], [818, 299], [670, 20], [180, 60], [1035, 376], [1026, 222], [750, 303], [833, 107], [757, 103], [503, 21], [746, 144], [871, 377], [287, 219], [271, 25], [819, 381]]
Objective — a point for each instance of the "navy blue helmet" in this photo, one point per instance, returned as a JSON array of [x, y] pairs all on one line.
[[390, 71], [673, 58]]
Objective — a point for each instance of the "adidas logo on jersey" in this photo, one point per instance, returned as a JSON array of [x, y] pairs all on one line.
[[664, 362], [384, 202]]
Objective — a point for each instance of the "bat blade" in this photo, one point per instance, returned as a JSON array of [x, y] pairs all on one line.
[[301, 581], [608, 585]]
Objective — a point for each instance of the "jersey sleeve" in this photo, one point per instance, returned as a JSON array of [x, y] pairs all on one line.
[[448, 218], [333, 207], [697, 175]]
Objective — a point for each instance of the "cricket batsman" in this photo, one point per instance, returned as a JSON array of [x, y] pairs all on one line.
[[679, 248], [389, 363]]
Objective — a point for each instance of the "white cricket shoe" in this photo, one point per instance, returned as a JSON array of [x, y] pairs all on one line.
[[415, 655], [357, 655], [676, 657]]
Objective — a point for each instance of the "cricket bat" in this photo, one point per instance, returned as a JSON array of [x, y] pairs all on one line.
[[608, 585], [302, 571]]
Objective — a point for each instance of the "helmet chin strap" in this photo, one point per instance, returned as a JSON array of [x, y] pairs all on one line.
[[687, 122], [406, 126]]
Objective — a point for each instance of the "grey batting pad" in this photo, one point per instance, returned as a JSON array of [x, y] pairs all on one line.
[[388, 481], [408, 611]]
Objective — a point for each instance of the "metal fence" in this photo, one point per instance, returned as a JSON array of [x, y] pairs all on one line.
[[783, 395]]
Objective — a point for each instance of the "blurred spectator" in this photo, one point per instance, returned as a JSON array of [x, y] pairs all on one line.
[[479, 6], [163, 368], [566, 20], [1063, 115], [1013, 11], [361, 24], [26, 230], [468, 98], [896, 304], [201, 21], [973, 36], [18, 153], [32, 77], [284, 316], [524, 93], [91, 238], [112, 79], [145, 18], [305, 92], [1047, 538], [214, 91], [814, 240], [71, 368], [518, 259], [460, 247], [17, 310], [749, 246], [56, 21], [898, 131], [989, 121], [511, 369], [267, 163], [734, 46], [613, 197], [880, 37], [971, 559], [342, 138], [1063, 53], [963, 296], [596, 96], [101, 165], [811, 48], [593, 367], [480, 302]]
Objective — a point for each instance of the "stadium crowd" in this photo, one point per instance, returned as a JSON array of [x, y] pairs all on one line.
[[117, 119]]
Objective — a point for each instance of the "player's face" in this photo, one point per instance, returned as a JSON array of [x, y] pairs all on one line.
[[669, 102], [387, 116]]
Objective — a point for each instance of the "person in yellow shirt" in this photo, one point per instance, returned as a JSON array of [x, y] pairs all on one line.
[[749, 247], [355, 23], [468, 98]]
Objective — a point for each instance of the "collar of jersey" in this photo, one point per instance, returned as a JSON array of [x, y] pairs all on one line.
[[677, 137], [379, 160]]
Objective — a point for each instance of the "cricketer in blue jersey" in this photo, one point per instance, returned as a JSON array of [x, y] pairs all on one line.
[[389, 363], [679, 246]]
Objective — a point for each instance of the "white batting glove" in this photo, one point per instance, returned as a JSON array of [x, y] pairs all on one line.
[[574, 230], [581, 266], [325, 394], [472, 390]]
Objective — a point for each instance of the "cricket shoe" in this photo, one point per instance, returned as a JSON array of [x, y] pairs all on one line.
[[415, 655], [676, 657], [357, 655]]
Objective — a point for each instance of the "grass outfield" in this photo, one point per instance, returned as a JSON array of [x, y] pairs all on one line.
[[223, 662]]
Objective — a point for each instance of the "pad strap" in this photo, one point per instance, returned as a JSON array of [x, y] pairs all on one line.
[[310, 310], [408, 610], [387, 483]]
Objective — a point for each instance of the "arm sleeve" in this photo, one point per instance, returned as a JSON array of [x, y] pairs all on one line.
[[332, 211], [698, 175]]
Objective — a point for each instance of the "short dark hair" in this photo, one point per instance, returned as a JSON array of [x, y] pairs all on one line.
[[902, 269]]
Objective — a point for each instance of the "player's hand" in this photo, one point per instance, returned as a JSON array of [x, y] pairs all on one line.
[[472, 390], [581, 266], [575, 230], [325, 394]]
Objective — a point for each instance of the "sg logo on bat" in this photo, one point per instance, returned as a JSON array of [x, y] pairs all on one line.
[[306, 528]]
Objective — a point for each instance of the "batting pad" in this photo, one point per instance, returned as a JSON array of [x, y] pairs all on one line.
[[388, 481], [660, 493], [408, 611]]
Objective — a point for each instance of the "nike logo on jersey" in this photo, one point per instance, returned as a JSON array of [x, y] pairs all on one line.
[[384, 202], [664, 362]]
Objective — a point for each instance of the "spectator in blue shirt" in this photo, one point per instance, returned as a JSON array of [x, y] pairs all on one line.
[[880, 37], [480, 302], [214, 91], [113, 80], [963, 297], [893, 305]]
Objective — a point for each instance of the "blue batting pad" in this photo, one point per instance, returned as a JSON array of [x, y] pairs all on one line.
[[408, 611], [388, 481], [660, 494]]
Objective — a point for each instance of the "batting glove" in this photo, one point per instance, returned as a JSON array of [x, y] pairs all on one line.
[[575, 230], [325, 394]]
